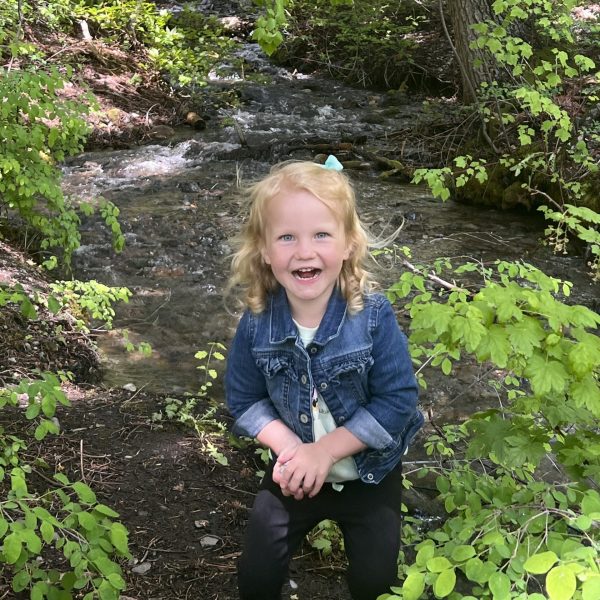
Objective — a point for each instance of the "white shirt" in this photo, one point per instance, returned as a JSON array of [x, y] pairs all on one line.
[[323, 422]]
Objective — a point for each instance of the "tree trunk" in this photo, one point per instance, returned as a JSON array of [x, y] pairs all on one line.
[[474, 64]]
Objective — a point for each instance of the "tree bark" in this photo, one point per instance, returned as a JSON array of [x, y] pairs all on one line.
[[474, 64]]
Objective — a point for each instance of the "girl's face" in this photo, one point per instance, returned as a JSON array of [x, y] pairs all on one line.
[[305, 244]]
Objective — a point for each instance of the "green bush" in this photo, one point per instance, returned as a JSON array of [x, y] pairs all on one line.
[[39, 129], [185, 47], [79, 538], [513, 532], [545, 150], [363, 42]]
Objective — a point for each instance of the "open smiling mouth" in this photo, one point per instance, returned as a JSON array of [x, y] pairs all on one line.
[[306, 273]]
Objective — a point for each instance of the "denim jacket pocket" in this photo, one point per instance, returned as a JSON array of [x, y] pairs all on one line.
[[351, 373], [358, 362], [272, 366]]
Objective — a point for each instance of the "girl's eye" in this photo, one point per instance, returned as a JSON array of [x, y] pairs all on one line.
[[286, 237], [322, 235]]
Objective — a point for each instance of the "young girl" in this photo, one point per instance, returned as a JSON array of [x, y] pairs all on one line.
[[319, 372]]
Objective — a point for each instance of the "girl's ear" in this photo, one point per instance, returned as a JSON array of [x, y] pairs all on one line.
[[348, 251], [265, 256]]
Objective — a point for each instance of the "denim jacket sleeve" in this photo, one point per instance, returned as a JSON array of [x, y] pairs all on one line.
[[389, 413], [245, 388]]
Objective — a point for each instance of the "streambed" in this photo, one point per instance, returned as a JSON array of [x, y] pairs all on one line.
[[179, 211]]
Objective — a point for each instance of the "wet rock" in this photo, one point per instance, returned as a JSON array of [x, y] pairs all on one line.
[[189, 187], [374, 119], [195, 120], [161, 132]]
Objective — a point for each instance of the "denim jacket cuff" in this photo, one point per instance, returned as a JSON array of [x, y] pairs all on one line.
[[368, 430], [255, 419]]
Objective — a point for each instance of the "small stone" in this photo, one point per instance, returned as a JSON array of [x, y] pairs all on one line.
[[201, 524], [130, 387], [208, 541], [141, 568]]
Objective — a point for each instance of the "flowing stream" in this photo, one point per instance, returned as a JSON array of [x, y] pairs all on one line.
[[179, 210]]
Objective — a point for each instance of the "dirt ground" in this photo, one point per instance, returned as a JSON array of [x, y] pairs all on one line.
[[185, 513]]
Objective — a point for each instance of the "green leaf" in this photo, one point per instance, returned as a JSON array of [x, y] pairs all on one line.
[[561, 583], [413, 586], [119, 538], [495, 346], [545, 376], [538, 564], [590, 505], [462, 553], [470, 330], [444, 584], [87, 521], [117, 581], [84, 492], [21, 580], [47, 532], [107, 592], [586, 393], [499, 585], [27, 309], [590, 590], [3, 527], [32, 541], [12, 548], [424, 554], [60, 477], [526, 334], [446, 366], [475, 571], [54, 305], [438, 564], [583, 522], [105, 510], [18, 483]]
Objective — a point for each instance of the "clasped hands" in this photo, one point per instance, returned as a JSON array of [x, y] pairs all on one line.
[[301, 469]]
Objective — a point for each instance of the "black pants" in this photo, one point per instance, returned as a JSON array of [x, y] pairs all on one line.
[[368, 515]]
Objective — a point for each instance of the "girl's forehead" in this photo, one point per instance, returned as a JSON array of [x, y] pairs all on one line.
[[298, 202], [299, 196]]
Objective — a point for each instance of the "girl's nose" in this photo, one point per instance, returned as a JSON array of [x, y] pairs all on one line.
[[305, 249]]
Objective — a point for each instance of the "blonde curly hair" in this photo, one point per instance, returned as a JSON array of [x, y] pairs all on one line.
[[248, 268]]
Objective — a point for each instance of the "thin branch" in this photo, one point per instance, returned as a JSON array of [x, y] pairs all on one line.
[[446, 284]]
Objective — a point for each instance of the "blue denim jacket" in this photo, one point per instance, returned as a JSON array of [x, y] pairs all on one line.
[[359, 364]]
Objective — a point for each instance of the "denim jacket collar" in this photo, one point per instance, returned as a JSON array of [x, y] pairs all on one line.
[[283, 327]]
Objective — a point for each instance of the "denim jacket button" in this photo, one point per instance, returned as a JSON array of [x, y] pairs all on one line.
[[303, 379], [323, 386], [304, 418], [370, 476], [313, 350]]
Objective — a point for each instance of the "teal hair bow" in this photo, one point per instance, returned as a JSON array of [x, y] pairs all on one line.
[[333, 164]]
